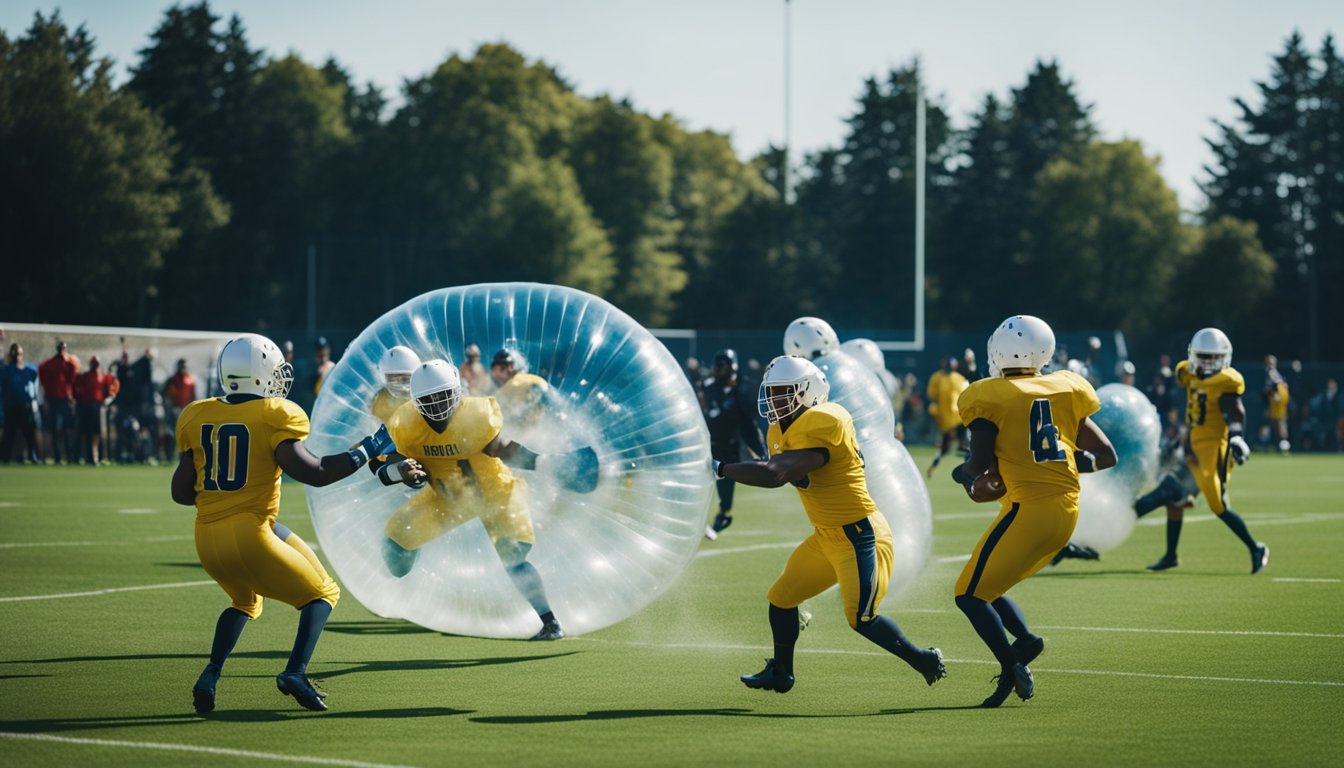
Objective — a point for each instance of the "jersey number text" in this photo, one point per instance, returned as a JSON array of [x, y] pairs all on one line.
[[225, 456]]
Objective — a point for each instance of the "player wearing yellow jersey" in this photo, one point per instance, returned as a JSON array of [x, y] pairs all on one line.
[[457, 441], [945, 386], [521, 395], [396, 366], [811, 444], [1216, 419], [233, 450], [1036, 428]]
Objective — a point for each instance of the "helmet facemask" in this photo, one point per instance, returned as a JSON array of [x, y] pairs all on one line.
[[439, 406], [281, 380], [399, 383], [777, 402]]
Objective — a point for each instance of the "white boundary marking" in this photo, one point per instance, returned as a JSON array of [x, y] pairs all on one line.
[[1101, 672], [1243, 632], [150, 540], [748, 548], [108, 591], [197, 749], [1308, 581]]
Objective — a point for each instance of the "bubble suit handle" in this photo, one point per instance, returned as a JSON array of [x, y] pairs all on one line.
[[1106, 499], [611, 386]]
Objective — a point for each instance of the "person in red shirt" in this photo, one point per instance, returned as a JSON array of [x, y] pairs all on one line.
[[57, 375], [93, 390], [178, 392]]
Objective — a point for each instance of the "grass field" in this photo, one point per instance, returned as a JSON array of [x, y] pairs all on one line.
[[105, 622]]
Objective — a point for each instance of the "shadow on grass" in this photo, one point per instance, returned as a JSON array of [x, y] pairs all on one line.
[[378, 628], [635, 714], [19, 677], [184, 564], [1140, 572], [62, 724], [202, 657]]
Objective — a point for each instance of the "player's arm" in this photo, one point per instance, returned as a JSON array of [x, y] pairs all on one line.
[[1095, 451], [1234, 413], [299, 463], [786, 467], [984, 433], [576, 470], [183, 486]]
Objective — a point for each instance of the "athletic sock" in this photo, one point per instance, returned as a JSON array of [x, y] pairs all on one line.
[[987, 624], [886, 633], [1012, 617], [527, 581], [312, 618], [227, 630], [1173, 534], [784, 627], [1233, 520]]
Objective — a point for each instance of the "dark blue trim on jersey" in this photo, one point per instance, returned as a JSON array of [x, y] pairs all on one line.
[[990, 543], [865, 561]]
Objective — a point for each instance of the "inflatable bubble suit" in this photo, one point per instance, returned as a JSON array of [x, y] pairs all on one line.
[[602, 555], [894, 481], [1106, 501]]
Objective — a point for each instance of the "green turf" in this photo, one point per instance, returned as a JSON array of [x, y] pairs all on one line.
[[661, 688]]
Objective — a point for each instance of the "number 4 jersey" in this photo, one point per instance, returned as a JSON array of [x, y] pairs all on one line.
[[1038, 418], [233, 446]]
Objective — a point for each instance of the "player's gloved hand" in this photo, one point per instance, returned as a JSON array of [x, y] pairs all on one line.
[[407, 472], [1240, 450], [716, 467], [963, 477], [371, 447], [577, 470], [722, 520]]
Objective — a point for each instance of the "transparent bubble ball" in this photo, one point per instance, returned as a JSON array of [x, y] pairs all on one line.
[[1106, 500], [602, 555], [894, 481]]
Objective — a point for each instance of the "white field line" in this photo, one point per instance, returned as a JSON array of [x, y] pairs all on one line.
[[1256, 520], [748, 548], [1232, 632], [197, 749], [1310, 581], [150, 540], [108, 591], [1099, 672]]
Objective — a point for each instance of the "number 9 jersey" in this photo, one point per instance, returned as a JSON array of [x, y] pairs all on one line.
[[1037, 417], [233, 446], [1203, 413]]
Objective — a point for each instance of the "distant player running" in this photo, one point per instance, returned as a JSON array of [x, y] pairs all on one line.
[[1036, 427], [811, 444], [233, 449], [1216, 418]]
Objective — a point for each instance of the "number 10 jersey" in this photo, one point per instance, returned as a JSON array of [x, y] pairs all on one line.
[[233, 446], [1037, 417]]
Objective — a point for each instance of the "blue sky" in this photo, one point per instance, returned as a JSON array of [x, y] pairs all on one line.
[[1154, 71]]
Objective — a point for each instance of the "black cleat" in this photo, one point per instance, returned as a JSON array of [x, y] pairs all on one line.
[[1166, 561], [203, 693], [1077, 552], [769, 679], [1026, 649], [1259, 556], [933, 668], [551, 630], [1018, 679], [298, 685]]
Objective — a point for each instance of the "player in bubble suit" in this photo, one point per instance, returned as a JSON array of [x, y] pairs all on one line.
[[521, 394], [457, 441], [233, 449], [1036, 428], [396, 366], [1216, 420], [810, 338], [812, 446]]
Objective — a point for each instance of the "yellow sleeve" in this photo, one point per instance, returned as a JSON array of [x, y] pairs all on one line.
[[1235, 383], [1085, 400], [971, 405], [288, 422], [1183, 373], [494, 420], [186, 422], [823, 429]]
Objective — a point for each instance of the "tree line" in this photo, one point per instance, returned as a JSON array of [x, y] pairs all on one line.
[[189, 196]]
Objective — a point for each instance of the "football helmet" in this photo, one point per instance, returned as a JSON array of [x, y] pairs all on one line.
[[789, 384], [252, 364], [1210, 352], [1021, 341], [726, 357], [810, 337], [436, 387], [866, 352], [396, 366]]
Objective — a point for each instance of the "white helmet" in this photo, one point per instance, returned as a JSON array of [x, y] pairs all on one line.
[[253, 365], [1210, 352], [789, 384], [1021, 341], [810, 337], [397, 365], [866, 351], [436, 387]]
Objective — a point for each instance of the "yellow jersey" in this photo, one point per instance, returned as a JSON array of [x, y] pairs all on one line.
[[233, 446], [1202, 412], [944, 389], [837, 493], [1038, 419], [385, 404], [521, 396], [455, 458]]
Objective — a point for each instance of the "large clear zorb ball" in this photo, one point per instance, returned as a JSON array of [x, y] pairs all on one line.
[[894, 481], [609, 384], [1106, 500]]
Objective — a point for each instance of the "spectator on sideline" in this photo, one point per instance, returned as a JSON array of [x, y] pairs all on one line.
[[1327, 418], [94, 389], [180, 390], [1276, 395], [474, 374], [57, 374], [18, 392]]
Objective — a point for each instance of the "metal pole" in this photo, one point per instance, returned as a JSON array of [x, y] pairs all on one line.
[[312, 292], [788, 95], [919, 213]]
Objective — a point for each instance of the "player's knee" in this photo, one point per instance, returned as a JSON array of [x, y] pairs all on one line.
[[780, 599], [251, 611], [512, 552], [863, 627], [968, 602]]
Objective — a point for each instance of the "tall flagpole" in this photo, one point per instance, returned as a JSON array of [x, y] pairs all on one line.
[[788, 94]]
